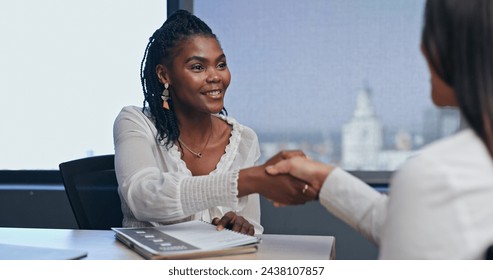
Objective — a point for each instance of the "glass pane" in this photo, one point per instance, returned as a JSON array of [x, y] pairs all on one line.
[[342, 80], [66, 70]]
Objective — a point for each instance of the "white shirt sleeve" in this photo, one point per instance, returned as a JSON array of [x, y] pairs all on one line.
[[355, 203]]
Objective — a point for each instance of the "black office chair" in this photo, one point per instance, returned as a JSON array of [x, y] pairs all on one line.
[[489, 253], [92, 190]]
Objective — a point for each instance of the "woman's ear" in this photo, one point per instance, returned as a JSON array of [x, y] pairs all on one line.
[[161, 73]]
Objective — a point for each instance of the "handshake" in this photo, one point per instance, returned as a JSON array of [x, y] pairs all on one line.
[[287, 178]]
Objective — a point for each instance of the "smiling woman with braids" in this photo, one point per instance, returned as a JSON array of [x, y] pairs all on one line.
[[180, 157]]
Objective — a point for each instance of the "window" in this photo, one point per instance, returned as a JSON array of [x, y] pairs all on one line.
[[66, 70], [342, 80]]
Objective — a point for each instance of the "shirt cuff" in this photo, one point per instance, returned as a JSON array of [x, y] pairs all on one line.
[[203, 192], [347, 197]]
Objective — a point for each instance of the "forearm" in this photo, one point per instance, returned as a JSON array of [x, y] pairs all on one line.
[[158, 196], [281, 188], [249, 180], [256, 179], [354, 202], [198, 193]]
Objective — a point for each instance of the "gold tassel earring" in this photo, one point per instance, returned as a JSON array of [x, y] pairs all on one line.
[[165, 96]]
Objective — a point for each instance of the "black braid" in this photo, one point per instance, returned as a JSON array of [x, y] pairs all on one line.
[[179, 26]]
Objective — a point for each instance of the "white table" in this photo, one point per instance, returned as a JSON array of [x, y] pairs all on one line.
[[102, 245]]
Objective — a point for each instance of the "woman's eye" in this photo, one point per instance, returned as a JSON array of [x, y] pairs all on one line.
[[197, 67], [222, 65]]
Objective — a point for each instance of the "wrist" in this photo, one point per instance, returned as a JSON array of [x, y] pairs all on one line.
[[322, 172], [246, 182]]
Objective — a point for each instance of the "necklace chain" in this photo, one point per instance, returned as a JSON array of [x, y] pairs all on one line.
[[196, 154]]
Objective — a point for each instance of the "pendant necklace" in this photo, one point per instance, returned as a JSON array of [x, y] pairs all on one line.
[[196, 154]]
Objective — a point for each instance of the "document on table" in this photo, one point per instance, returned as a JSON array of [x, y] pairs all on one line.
[[193, 239]]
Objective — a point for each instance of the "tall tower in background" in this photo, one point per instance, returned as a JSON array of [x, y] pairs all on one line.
[[362, 137]]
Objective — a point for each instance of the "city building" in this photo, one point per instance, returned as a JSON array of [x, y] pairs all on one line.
[[362, 140], [362, 137]]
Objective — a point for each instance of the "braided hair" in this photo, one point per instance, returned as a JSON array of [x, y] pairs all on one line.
[[181, 25]]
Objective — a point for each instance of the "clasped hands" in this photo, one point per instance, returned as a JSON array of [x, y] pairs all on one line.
[[305, 178], [288, 178]]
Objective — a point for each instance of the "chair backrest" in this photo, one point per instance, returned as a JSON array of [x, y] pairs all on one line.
[[489, 253], [92, 190]]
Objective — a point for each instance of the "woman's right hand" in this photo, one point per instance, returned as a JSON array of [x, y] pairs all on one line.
[[285, 154], [310, 171], [281, 188]]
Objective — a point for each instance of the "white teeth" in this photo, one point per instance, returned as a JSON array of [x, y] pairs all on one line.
[[214, 93]]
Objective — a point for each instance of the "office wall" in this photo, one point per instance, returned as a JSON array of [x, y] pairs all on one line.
[[48, 207]]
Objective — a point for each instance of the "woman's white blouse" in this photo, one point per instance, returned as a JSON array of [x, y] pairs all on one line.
[[156, 187]]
